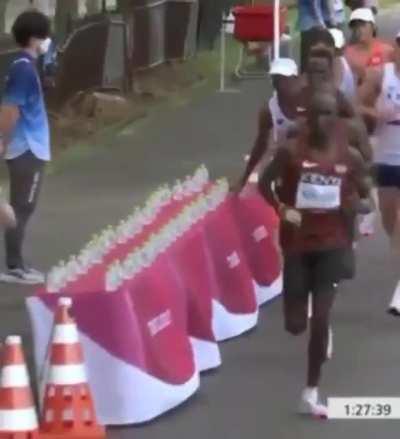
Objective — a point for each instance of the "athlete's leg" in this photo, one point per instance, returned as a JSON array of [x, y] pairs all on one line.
[[295, 293], [319, 333], [388, 206]]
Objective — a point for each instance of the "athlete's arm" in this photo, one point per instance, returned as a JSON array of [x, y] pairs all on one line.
[[359, 139], [361, 174], [260, 145], [271, 174], [363, 182], [369, 93]]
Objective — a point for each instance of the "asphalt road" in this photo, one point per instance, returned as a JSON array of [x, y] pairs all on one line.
[[255, 393]]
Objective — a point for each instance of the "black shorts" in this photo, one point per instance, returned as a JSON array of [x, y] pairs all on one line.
[[317, 272], [387, 176]]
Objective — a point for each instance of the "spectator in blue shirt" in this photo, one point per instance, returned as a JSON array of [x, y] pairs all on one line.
[[25, 140]]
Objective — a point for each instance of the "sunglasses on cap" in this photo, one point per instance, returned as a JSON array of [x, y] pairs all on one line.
[[356, 23]]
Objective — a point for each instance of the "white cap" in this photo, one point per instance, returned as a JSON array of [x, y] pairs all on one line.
[[338, 37], [13, 340], [284, 67], [362, 14], [65, 301]]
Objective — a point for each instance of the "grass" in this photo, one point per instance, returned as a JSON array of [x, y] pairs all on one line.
[[388, 3]]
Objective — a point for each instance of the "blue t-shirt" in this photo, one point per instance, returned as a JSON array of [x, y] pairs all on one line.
[[307, 19], [23, 89]]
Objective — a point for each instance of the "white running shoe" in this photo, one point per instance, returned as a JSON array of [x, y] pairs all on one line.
[[309, 310], [28, 276], [329, 349], [394, 307], [310, 405]]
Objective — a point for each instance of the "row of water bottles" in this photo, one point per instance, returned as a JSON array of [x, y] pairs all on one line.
[[141, 258], [103, 243]]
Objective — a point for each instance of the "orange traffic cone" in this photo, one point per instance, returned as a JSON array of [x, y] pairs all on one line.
[[17, 412], [68, 410]]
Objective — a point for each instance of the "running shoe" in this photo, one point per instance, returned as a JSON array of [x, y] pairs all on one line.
[[309, 306], [310, 405], [394, 307], [24, 276]]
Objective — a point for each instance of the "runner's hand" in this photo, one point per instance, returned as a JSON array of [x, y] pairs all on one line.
[[291, 215]]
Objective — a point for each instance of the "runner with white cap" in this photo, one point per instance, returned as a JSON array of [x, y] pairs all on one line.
[[380, 96], [366, 50], [278, 117]]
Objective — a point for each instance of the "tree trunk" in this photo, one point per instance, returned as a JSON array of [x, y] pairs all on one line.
[[93, 6], [3, 10], [66, 11]]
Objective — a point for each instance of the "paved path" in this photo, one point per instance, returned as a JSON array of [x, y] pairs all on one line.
[[254, 393]]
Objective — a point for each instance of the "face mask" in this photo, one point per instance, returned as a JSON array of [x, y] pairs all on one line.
[[44, 46]]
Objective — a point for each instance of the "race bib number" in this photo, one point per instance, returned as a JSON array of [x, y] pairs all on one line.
[[319, 192]]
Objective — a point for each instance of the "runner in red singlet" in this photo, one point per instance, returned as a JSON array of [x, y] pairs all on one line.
[[366, 49], [313, 181]]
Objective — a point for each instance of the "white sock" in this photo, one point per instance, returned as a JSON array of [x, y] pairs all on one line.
[[310, 394], [396, 298], [309, 310]]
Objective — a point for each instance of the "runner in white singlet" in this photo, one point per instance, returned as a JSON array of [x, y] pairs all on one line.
[[380, 98], [282, 124], [275, 119]]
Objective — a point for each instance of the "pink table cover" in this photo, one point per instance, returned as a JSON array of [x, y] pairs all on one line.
[[259, 228], [235, 307], [138, 354], [145, 343]]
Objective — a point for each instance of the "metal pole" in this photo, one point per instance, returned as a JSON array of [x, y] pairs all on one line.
[[277, 32], [222, 77], [223, 55]]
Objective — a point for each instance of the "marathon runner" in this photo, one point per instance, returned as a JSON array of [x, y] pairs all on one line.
[[380, 96], [320, 78], [366, 50], [276, 118], [316, 176]]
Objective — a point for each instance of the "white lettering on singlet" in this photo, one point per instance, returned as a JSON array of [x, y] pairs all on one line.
[[317, 191]]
